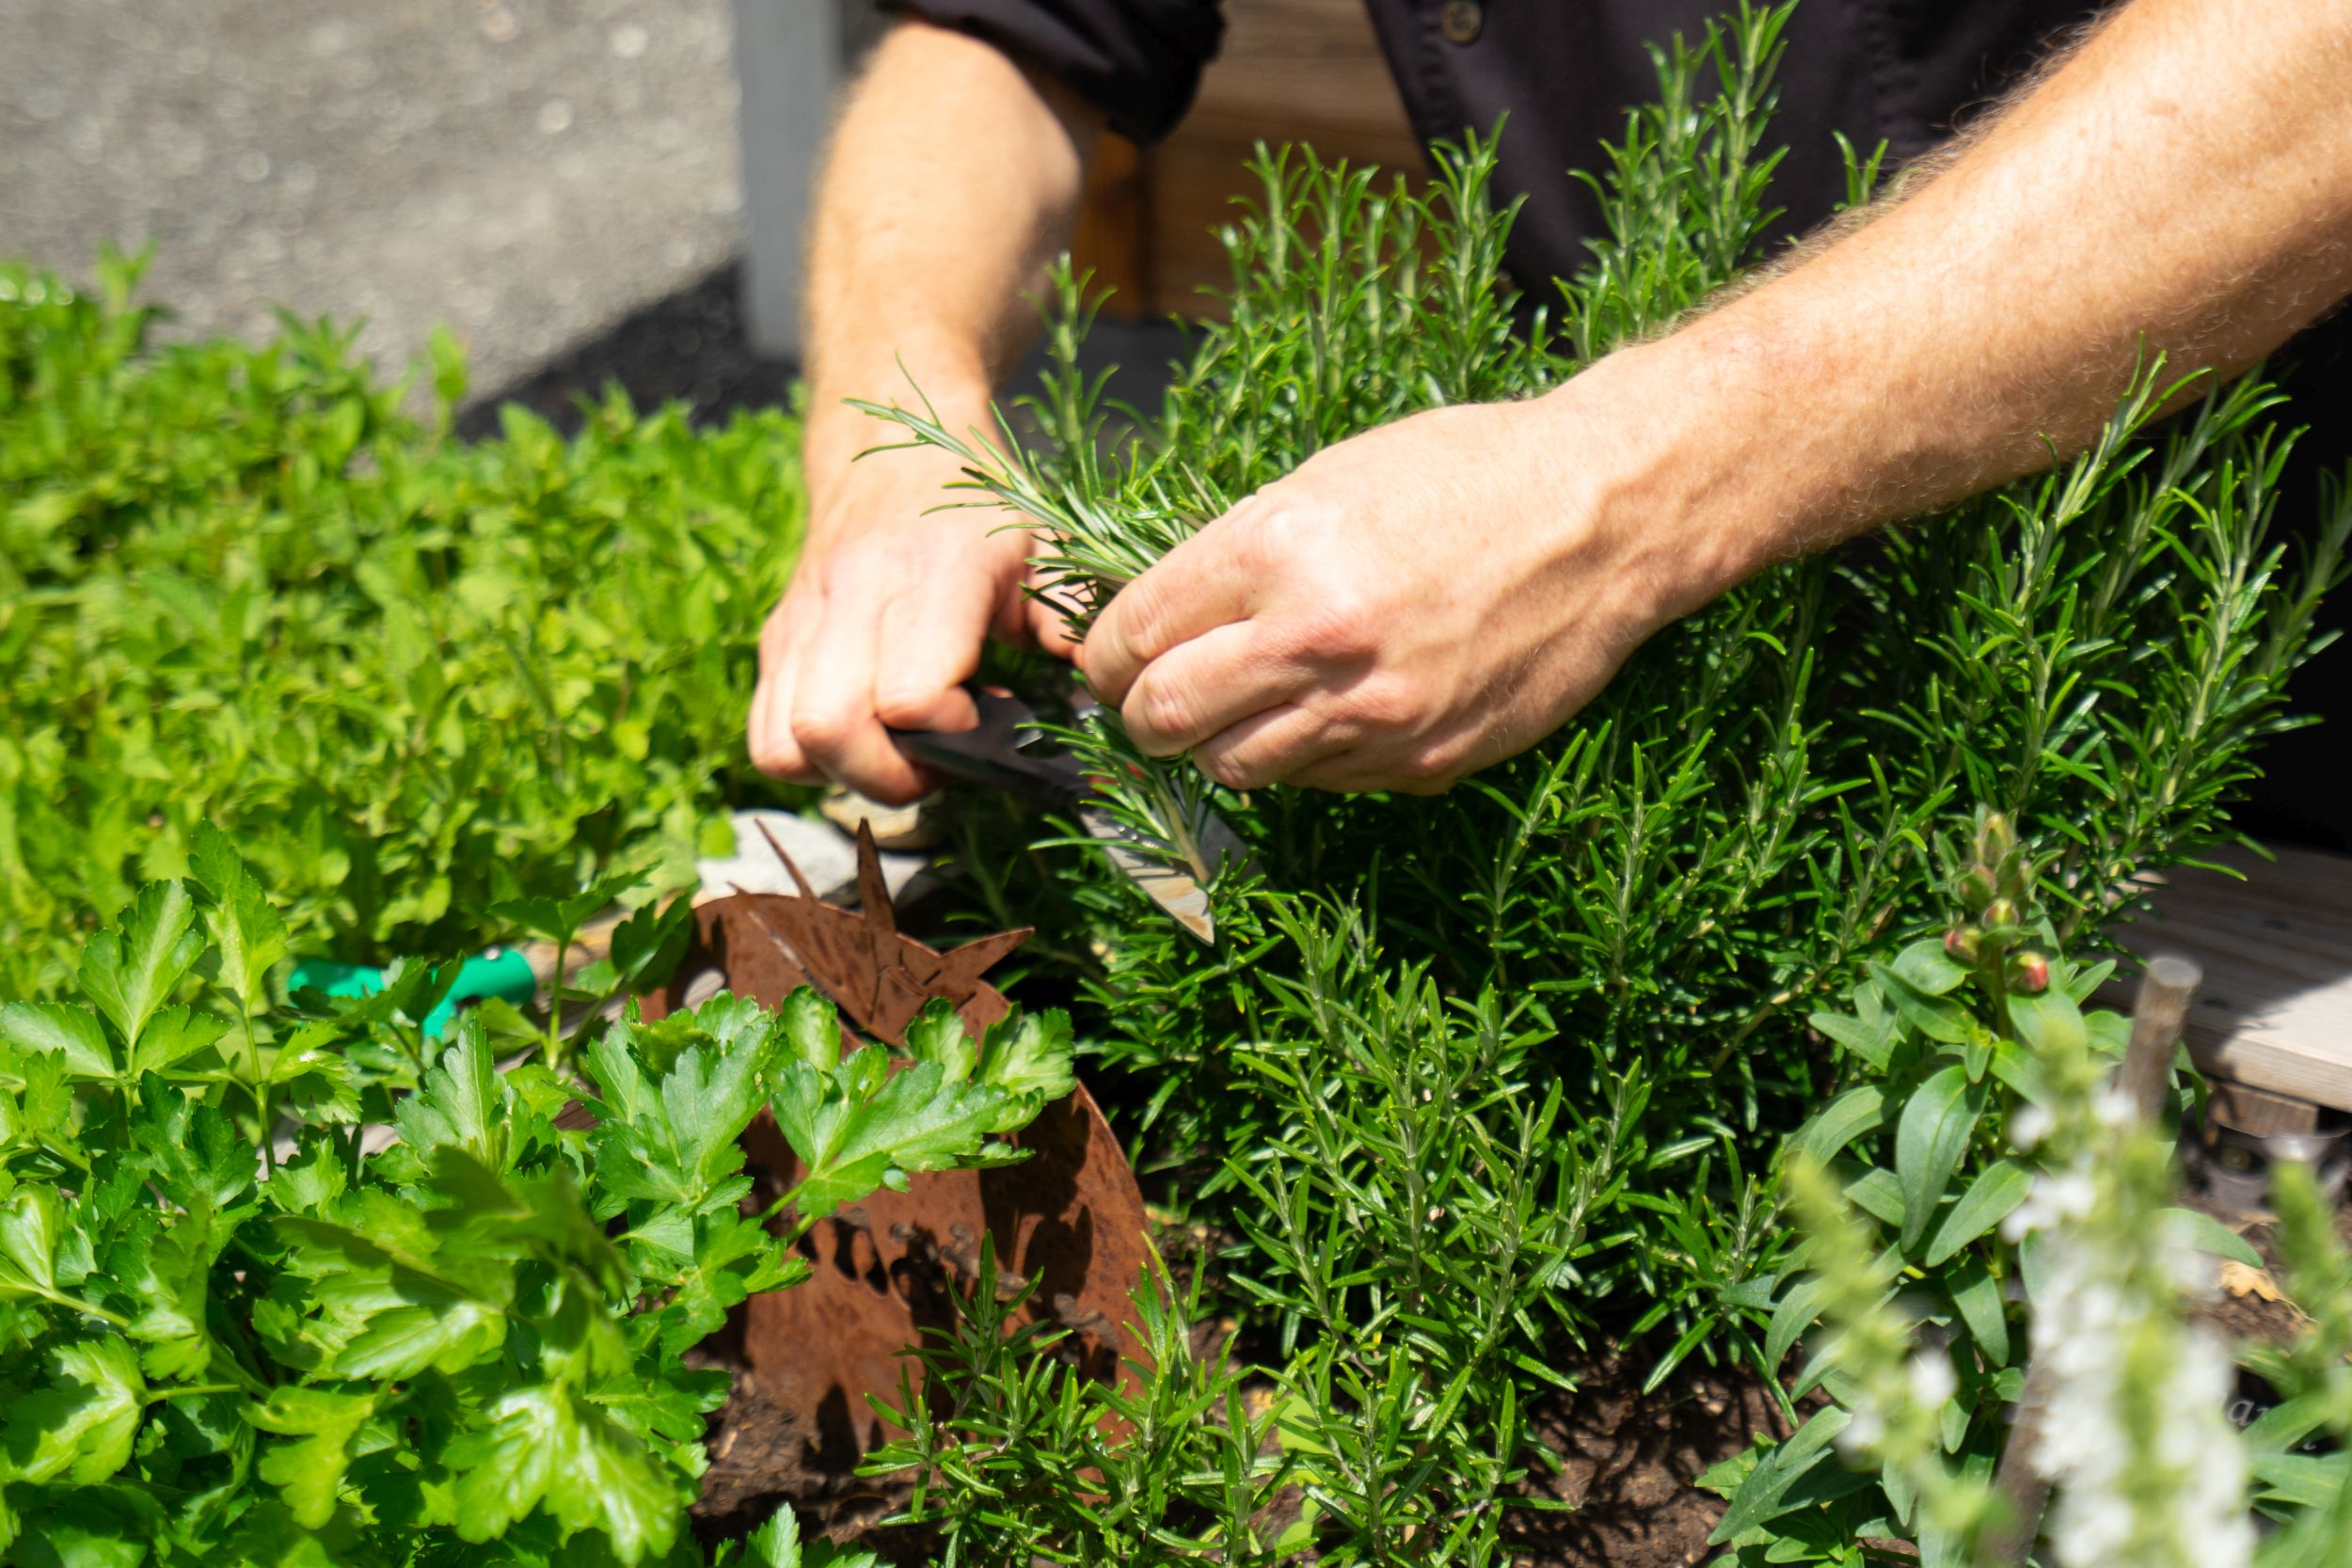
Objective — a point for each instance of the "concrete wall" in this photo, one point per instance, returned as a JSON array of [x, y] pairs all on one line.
[[792, 56]]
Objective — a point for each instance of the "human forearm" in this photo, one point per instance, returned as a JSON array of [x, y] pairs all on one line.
[[2183, 184], [949, 182], [1423, 599]]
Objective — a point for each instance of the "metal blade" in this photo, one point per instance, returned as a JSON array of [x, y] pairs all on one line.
[[1173, 888]]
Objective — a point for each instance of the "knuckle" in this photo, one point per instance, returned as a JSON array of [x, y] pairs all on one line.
[[1384, 704], [1346, 623], [1136, 621], [1230, 770], [822, 732], [903, 706], [1432, 767], [1161, 711], [1283, 535], [776, 754]]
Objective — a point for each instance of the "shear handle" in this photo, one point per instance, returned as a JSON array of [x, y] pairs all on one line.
[[991, 753]]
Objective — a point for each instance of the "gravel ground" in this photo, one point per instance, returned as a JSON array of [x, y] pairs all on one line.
[[531, 173]]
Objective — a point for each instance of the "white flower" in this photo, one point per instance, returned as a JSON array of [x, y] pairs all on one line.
[[2029, 1126], [1932, 1381], [2055, 1198], [2149, 1470], [1862, 1433]]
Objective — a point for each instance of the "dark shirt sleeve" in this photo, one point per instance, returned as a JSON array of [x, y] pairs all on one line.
[[1139, 61]]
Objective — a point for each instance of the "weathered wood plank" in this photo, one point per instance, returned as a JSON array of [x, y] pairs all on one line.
[[2276, 1010], [1290, 71], [1306, 70]]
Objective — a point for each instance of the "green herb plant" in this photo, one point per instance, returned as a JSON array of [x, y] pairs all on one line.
[[1650, 905], [414, 676], [1744, 812], [243, 1320], [1982, 1194], [1417, 1235]]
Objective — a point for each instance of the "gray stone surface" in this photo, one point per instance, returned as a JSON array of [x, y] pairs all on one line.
[[826, 856], [528, 172]]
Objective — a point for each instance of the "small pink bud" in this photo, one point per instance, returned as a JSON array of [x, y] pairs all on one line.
[[2030, 973], [1999, 912], [1975, 887], [1960, 944]]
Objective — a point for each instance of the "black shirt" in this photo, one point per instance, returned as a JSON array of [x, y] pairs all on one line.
[[1909, 73], [1906, 71]]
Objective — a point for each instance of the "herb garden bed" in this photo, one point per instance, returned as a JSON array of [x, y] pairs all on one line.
[[1709, 1112]]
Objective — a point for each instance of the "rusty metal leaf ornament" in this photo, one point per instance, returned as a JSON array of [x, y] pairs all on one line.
[[1070, 1217]]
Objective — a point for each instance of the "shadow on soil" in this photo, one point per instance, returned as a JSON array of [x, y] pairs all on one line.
[[691, 347]]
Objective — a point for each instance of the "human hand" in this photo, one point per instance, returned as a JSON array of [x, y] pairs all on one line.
[[883, 620], [1409, 605]]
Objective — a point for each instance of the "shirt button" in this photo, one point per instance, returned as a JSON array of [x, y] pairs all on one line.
[[1461, 20]]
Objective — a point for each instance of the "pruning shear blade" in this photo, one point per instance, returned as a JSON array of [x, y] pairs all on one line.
[[1176, 891], [994, 753]]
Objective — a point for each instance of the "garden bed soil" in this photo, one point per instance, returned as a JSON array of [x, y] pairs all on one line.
[[2253, 1305], [761, 1458], [1632, 1459]]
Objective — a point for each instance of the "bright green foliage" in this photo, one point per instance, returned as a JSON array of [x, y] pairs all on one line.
[[1969, 1098], [236, 1326], [1032, 1462], [777, 1544], [1742, 816], [1472, 1080], [857, 1126], [1647, 905], [1422, 1221], [413, 676]]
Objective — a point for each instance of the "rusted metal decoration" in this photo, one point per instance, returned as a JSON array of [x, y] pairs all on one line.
[[1070, 1217]]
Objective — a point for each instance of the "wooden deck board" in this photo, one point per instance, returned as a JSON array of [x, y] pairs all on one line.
[[2275, 1012]]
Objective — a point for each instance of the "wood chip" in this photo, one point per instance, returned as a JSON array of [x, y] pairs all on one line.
[[2240, 1280]]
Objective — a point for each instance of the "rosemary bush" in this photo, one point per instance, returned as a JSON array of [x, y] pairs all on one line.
[[1600, 957]]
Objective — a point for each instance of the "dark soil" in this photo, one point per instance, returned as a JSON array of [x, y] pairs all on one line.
[[758, 1461], [1631, 1462], [2254, 1306], [1632, 1459]]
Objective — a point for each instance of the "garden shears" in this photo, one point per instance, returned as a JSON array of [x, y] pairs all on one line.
[[1005, 752]]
